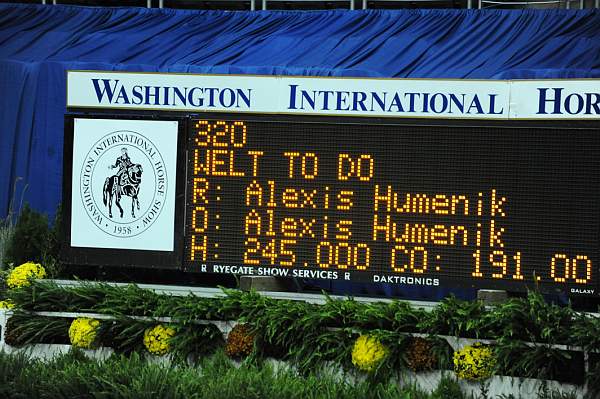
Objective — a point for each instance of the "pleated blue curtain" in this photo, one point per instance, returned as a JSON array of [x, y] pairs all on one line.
[[38, 44]]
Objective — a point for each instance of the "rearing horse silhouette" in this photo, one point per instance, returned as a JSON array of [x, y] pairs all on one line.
[[127, 184]]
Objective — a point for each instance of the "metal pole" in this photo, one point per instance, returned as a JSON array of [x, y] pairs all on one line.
[[365, 4], [469, 4], [54, 2], [264, 4], [44, 2], [568, 4], [252, 5], [479, 4], [352, 4], [148, 3], [161, 3], [597, 5], [581, 4]]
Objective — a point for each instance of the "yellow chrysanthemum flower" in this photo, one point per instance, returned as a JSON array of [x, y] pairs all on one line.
[[368, 352], [82, 332], [475, 362], [7, 304], [21, 275], [156, 339]]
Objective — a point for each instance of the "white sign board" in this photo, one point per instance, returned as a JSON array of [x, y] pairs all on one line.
[[399, 98], [123, 184]]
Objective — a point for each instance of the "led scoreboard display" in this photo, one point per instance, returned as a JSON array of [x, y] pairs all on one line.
[[509, 206]]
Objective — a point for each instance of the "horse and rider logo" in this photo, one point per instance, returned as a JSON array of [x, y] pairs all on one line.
[[123, 165], [126, 182]]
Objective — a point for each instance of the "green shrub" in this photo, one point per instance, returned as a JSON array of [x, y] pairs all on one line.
[[32, 239], [28, 241]]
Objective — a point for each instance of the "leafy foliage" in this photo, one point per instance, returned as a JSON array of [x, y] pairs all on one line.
[[195, 341], [455, 317], [532, 319], [23, 328], [524, 330], [535, 361], [125, 334]]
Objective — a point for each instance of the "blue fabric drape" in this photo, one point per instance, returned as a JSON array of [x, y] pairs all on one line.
[[38, 44]]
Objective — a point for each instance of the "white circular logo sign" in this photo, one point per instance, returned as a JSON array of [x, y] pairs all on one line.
[[123, 183]]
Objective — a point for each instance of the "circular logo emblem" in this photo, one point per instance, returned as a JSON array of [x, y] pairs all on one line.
[[123, 183]]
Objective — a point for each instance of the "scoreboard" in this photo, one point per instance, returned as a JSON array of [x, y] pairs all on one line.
[[485, 206], [402, 182]]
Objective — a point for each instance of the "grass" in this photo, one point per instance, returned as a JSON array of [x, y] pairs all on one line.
[[75, 376]]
